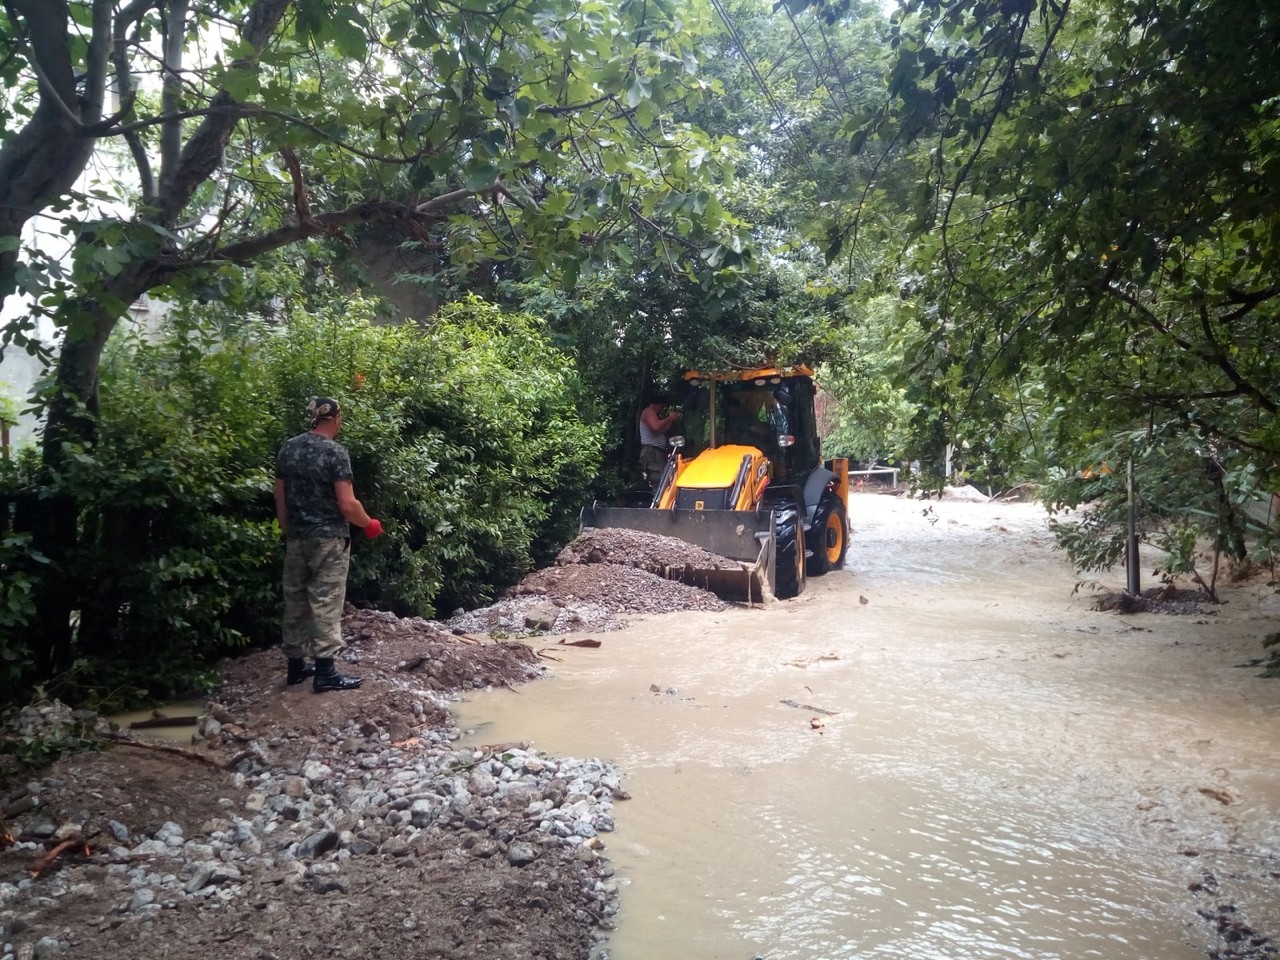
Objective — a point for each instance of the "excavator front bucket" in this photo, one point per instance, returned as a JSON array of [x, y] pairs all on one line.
[[747, 536]]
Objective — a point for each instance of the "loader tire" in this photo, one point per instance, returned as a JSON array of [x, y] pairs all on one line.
[[790, 574], [829, 541]]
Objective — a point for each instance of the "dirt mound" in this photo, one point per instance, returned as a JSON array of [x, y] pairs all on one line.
[[1167, 600], [399, 659], [646, 551]]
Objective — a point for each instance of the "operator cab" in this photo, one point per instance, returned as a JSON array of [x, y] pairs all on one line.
[[770, 410]]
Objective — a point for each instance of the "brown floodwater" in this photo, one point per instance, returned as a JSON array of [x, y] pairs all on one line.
[[175, 714], [941, 751]]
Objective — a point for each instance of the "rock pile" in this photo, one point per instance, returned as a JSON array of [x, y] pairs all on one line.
[[645, 551], [355, 803], [599, 580]]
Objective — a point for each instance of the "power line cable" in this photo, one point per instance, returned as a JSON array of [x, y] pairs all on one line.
[[783, 123]]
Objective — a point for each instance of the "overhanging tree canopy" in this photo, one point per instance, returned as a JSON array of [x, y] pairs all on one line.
[[1097, 212], [248, 125]]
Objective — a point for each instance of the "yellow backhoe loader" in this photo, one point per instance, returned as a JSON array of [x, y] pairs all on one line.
[[746, 480]]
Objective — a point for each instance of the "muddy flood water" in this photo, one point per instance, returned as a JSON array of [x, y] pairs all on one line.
[[938, 752]]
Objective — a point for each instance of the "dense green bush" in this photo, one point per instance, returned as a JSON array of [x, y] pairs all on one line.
[[176, 527], [465, 441], [171, 565], [1191, 505]]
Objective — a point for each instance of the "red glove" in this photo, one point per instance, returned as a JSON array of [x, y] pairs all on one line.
[[373, 528]]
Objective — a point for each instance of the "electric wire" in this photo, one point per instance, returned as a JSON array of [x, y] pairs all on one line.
[[783, 121]]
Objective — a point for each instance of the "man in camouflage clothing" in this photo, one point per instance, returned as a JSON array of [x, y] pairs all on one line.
[[316, 504]]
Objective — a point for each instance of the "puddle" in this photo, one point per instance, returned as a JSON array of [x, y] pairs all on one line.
[[174, 722]]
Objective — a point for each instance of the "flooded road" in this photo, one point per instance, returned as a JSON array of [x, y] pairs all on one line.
[[939, 752]]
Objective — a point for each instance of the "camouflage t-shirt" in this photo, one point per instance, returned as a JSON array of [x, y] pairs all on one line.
[[309, 465]]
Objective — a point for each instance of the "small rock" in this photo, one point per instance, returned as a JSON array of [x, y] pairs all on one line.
[[199, 880], [542, 616], [317, 845], [482, 784], [396, 847], [208, 727], [225, 873], [521, 854], [316, 772]]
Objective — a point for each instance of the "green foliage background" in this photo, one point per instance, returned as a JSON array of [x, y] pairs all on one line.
[[465, 440]]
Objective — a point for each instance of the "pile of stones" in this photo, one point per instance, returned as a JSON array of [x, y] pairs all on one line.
[[355, 795]]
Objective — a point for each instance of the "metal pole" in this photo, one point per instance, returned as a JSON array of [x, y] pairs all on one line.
[[711, 410], [1131, 550]]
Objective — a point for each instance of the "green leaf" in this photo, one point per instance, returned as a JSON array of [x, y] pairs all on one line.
[[480, 177], [639, 90]]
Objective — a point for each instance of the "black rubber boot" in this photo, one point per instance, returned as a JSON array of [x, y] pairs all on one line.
[[299, 670], [328, 678]]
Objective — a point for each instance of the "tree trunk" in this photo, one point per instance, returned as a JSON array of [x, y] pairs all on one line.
[[54, 520], [38, 166]]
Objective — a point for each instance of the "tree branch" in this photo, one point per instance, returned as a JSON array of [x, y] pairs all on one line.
[[207, 144], [412, 220], [1212, 355], [1219, 357], [49, 54], [1247, 300], [175, 30], [93, 103], [127, 87]]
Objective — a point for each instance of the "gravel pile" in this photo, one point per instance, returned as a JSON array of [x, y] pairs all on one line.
[[536, 614], [645, 551], [600, 580], [621, 589], [305, 828]]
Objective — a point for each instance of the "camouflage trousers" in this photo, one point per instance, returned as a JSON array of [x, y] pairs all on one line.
[[315, 588]]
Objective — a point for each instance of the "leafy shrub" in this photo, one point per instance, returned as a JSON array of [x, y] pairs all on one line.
[[17, 606], [176, 527], [1189, 496], [464, 440]]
